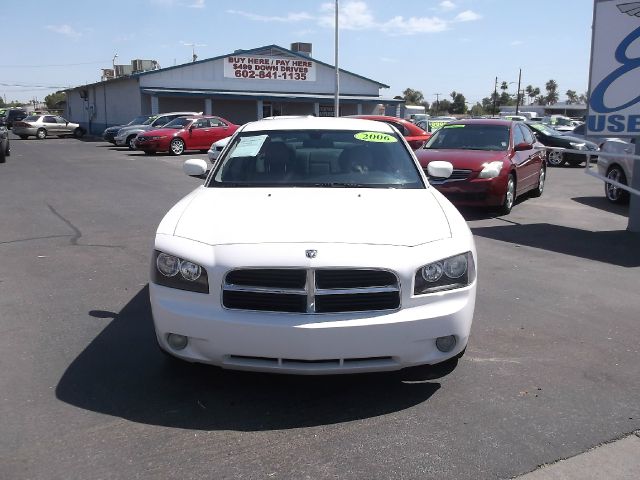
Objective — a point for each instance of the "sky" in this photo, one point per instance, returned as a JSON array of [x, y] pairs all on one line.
[[435, 46]]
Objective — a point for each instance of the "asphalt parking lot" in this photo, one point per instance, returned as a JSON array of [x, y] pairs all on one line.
[[552, 368]]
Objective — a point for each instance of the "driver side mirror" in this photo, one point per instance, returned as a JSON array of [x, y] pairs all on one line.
[[522, 147], [195, 167]]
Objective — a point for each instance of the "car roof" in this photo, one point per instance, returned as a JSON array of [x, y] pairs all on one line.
[[383, 118], [318, 123]]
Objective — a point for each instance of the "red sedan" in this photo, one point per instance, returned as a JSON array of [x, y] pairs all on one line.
[[185, 133], [413, 134], [494, 162]]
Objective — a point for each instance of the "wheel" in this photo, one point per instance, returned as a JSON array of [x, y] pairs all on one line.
[[78, 132], [555, 158], [2, 155], [41, 134], [537, 192], [176, 147], [24, 137], [131, 142], [509, 196], [613, 193]]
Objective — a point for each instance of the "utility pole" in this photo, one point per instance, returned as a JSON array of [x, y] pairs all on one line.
[[518, 95], [495, 96], [193, 46], [437, 103]]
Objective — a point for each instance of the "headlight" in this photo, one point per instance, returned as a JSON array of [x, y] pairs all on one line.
[[175, 272], [490, 170], [577, 146], [446, 274]]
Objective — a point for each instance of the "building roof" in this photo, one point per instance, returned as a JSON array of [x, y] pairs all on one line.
[[257, 51]]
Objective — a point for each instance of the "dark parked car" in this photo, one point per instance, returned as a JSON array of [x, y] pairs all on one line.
[[109, 134], [5, 147], [553, 138], [13, 115], [494, 162]]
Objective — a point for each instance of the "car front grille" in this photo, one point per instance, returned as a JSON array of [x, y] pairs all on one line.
[[311, 290], [456, 176]]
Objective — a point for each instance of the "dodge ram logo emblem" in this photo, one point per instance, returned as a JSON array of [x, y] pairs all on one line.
[[311, 253]]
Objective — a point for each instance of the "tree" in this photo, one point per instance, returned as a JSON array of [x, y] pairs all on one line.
[[572, 96], [552, 92], [413, 97], [532, 92], [506, 99], [541, 100], [478, 109], [583, 98], [504, 86], [53, 99], [458, 104]]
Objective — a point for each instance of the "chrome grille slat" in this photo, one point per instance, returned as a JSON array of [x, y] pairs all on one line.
[[343, 290]]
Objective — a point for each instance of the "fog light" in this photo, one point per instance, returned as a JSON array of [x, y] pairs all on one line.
[[177, 342], [446, 344]]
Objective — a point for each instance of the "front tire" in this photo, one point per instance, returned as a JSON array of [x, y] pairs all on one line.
[[613, 193], [537, 192], [41, 134], [555, 158], [78, 132], [176, 147], [509, 196]]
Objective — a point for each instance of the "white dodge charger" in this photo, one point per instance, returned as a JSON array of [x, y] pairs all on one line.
[[315, 246]]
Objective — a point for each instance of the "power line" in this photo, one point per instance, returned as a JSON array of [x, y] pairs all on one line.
[[56, 64], [22, 85]]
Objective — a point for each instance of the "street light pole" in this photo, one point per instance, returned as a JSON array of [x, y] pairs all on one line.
[[437, 103], [336, 106], [113, 64]]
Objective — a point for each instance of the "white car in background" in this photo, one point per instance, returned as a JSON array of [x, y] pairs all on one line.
[[312, 259], [216, 148], [617, 169]]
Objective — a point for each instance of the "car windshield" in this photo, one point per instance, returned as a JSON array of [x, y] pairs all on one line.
[[545, 129], [178, 123], [317, 158], [150, 120], [139, 120], [470, 137]]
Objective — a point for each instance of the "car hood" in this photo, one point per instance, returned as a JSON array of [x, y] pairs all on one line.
[[217, 216], [133, 128], [461, 159]]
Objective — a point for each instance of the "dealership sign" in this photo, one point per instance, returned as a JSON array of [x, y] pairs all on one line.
[[269, 68], [614, 100]]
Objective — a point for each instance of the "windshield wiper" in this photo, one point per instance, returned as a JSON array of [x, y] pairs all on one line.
[[340, 185]]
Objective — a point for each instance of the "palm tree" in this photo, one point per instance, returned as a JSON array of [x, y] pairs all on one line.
[[504, 86], [552, 92]]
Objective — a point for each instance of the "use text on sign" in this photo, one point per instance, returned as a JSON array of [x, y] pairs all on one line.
[[614, 103], [269, 68]]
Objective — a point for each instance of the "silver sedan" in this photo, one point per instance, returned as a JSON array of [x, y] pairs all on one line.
[[41, 126]]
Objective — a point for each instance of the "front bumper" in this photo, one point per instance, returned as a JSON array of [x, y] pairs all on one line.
[[297, 343], [475, 191]]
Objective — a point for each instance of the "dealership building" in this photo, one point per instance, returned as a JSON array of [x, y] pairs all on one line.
[[242, 86]]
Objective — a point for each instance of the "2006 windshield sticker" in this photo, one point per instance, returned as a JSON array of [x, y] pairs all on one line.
[[375, 137]]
